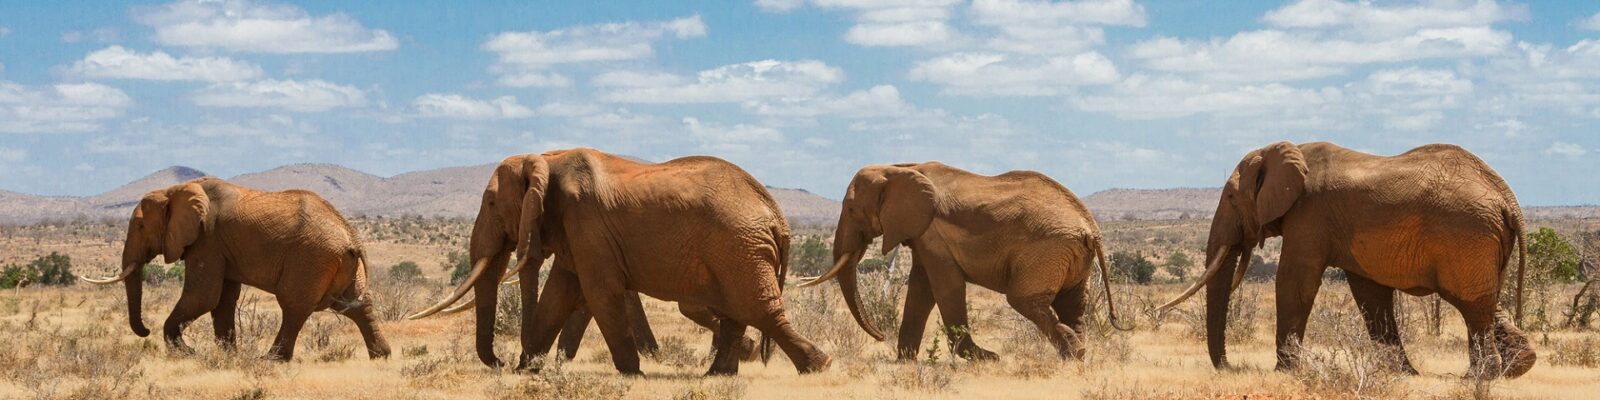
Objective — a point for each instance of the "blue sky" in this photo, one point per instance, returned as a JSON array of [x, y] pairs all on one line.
[[1096, 93]]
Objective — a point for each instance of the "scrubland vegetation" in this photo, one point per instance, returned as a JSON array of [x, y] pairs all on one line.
[[73, 341]]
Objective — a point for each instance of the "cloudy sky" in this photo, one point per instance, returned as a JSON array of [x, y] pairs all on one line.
[[1096, 93]]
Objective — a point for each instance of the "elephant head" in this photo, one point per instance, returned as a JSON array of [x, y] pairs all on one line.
[[509, 219], [1261, 190], [892, 201], [166, 222]]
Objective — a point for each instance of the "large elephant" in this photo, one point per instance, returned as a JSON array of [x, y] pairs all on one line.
[[1018, 233], [292, 244], [696, 230], [1433, 220]]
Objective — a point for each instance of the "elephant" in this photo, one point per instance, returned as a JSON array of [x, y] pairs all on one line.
[[1018, 233], [696, 230], [1435, 219], [292, 244]]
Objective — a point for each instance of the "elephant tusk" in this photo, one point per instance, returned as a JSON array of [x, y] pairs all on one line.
[[477, 271], [837, 266], [1241, 268], [1211, 270], [107, 281], [460, 307]]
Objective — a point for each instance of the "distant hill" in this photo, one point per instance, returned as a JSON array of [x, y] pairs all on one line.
[[446, 192], [1148, 204], [454, 193]]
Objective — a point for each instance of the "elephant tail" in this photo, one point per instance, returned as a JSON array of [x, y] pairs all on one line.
[[1105, 280], [781, 239], [1515, 222]]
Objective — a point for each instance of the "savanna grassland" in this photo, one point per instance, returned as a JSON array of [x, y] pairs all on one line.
[[73, 341]]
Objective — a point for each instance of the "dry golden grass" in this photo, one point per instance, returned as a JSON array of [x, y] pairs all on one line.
[[74, 343]]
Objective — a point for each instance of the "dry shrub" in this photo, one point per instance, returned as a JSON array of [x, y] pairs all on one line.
[[722, 388], [819, 315], [80, 363], [394, 299], [554, 382], [1344, 362], [921, 377], [1583, 352], [674, 352]]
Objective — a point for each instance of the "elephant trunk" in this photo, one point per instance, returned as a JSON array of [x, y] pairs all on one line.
[[486, 293], [1218, 292], [133, 282]]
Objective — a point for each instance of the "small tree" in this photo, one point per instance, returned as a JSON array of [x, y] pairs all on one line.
[[55, 269], [457, 264], [1178, 265], [405, 271], [1552, 255], [156, 275], [13, 276], [810, 257], [1132, 267]]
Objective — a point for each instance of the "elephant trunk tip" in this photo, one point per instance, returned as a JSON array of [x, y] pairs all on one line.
[[139, 329]]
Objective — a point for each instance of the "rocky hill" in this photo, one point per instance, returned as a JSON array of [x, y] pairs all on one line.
[[1148, 204], [446, 192]]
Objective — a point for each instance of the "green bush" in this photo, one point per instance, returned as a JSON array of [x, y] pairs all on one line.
[[1132, 267], [405, 271], [459, 266], [1553, 256], [1178, 265], [811, 257], [157, 275], [54, 269]]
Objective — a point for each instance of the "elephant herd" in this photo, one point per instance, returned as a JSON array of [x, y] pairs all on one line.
[[702, 232]]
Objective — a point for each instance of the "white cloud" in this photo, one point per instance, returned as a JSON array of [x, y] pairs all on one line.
[[460, 107], [524, 58], [78, 107], [1566, 149], [1416, 81], [992, 74], [738, 133], [728, 83], [300, 96], [250, 26], [1270, 55], [881, 100], [535, 79], [564, 109], [1145, 97], [277, 131], [117, 62], [1367, 19], [1086, 12], [779, 6], [886, 23], [1591, 23]]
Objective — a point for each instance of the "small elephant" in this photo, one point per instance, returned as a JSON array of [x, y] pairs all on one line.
[[1018, 233], [292, 244], [697, 230], [1435, 219]]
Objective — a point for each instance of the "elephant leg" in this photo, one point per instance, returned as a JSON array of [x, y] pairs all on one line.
[[774, 323], [1376, 303], [725, 357], [572, 332], [744, 349], [1069, 309], [366, 322], [949, 289], [1480, 317], [644, 338], [1515, 351], [1297, 286], [1036, 308], [606, 303], [294, 318], [202, 292], [914, 318], [560, 298], [223, 318]]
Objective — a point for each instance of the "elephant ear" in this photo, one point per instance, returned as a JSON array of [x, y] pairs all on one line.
[[187, 209], [907, 205], [1282, 179], [536, 181]]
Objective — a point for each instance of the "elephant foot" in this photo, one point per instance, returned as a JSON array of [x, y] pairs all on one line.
[[975, 353], [1073, 347], [1516, 354], [1406, 368], [814, 364], [630, 372]]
